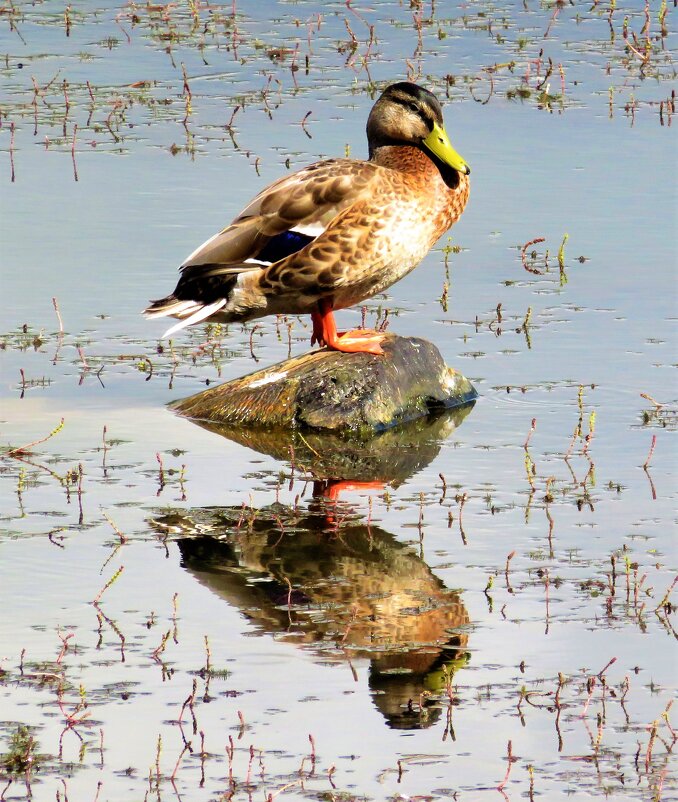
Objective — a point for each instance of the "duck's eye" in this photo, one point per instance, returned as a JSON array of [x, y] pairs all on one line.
[[413, 107]]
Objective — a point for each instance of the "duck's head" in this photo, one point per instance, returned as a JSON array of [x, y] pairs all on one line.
[[407, 114]]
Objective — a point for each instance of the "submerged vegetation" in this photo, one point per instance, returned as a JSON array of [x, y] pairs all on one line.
[[465, 606], [326, 576], [627, 50]]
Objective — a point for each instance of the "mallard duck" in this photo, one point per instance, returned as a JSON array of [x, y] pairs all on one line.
[[334, 233]]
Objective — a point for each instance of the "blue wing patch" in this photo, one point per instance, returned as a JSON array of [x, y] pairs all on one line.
[[283, 245]]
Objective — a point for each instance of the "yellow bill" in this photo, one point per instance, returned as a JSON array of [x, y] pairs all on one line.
[[439, 144]]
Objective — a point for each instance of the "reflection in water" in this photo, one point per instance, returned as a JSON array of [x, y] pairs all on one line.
[[324, 577], [390, 457]]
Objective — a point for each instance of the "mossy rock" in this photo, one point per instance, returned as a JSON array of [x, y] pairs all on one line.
[[344, 393]]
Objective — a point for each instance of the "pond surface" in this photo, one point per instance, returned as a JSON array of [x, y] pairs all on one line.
[[187, 612]]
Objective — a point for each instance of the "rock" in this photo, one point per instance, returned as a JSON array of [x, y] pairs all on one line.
[[327, 390]]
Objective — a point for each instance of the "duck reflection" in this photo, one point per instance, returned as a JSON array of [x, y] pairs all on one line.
[[320, 575]]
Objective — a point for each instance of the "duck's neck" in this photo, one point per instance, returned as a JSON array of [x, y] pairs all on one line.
[[413, 160]]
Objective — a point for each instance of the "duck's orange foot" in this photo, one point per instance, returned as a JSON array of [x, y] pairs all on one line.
[[363, 341], [356, 341]]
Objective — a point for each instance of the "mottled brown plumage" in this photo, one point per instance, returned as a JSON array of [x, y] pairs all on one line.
[[336, 232]]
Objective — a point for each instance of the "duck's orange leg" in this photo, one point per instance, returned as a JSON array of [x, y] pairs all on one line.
[[335, 487], [355, 341], [331, 489]]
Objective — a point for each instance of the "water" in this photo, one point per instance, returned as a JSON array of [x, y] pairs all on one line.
[[396, 630]]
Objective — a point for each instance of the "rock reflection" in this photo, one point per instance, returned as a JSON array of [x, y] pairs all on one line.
[[322, 576], [389, 457]]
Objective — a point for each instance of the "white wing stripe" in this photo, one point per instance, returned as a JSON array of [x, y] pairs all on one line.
[[310, 230]]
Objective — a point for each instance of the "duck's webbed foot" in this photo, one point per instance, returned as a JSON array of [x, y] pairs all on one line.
[[354, 341], [358, 341]]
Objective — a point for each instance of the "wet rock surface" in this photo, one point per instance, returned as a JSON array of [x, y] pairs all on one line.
[[328, 390]]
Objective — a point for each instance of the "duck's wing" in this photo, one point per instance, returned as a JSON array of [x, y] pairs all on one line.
[[287, 215], [281, 220]]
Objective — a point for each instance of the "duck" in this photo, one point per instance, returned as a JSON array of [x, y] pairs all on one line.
[[334, 233]]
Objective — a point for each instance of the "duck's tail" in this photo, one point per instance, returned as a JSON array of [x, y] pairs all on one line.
[[188, 312], [202, 291]]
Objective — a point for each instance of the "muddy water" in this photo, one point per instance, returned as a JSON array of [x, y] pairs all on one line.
[[250, 634]]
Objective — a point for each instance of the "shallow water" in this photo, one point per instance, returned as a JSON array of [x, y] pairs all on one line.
[[411, 632]]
